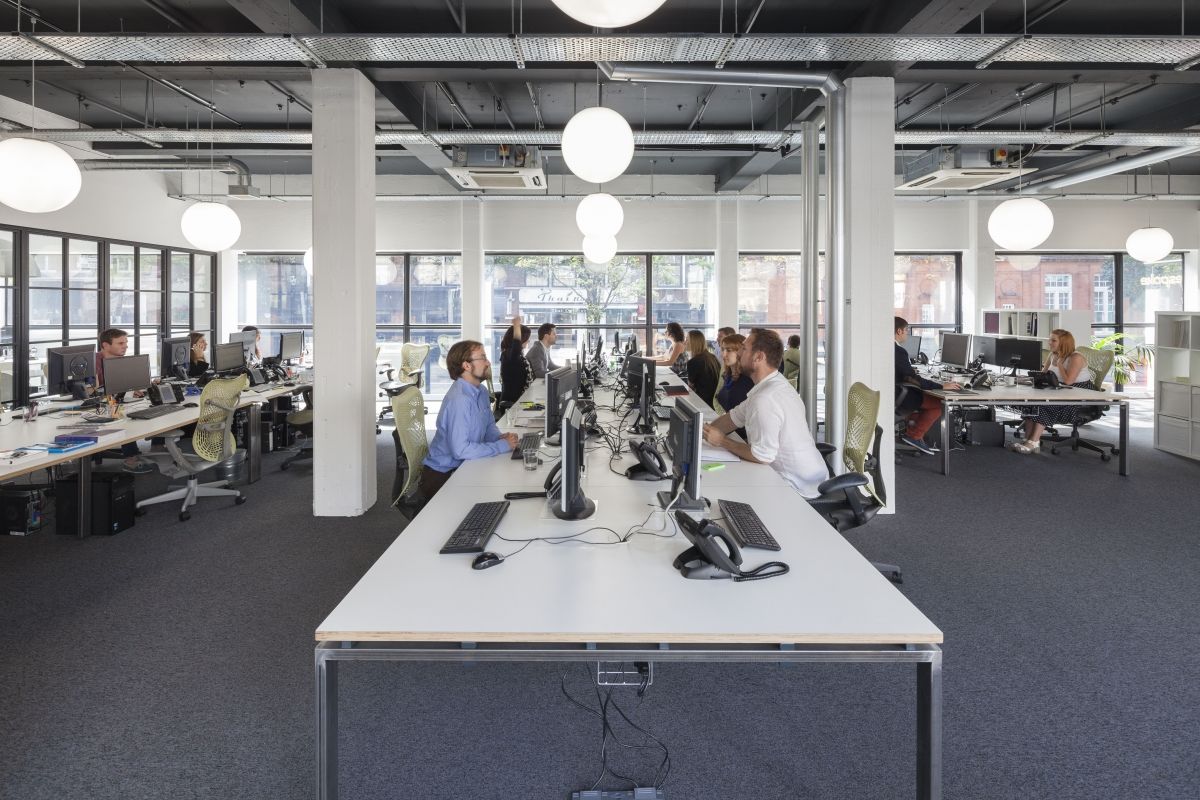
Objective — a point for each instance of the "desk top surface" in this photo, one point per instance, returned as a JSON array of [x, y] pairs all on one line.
[[600, 589], [1028, 394]]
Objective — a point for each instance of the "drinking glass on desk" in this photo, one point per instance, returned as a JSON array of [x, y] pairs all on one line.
[[531, 458]]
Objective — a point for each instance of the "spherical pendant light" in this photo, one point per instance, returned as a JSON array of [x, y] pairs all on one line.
[[210, 226], [608, 13], [37, 177], [597, 144], [599, 249], [1024, 262], [1022, 223], [1149, 244], [599, 214]]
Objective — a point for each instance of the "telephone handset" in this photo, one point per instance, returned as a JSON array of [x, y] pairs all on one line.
[[552, 484], [164, 394], [650, 466], [707, 558], [980, 380], [257, 376]]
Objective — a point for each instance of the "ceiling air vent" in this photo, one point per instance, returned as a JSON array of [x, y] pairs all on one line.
[[498, 166], [958, 169]]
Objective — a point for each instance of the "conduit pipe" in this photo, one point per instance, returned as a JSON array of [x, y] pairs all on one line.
[[221, 164], [837, 248], [1113, 168]]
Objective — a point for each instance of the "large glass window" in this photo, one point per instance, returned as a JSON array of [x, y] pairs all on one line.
[[685, 290], [8, 282]]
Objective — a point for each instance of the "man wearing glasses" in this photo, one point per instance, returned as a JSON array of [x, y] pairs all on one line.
[[465, 426]]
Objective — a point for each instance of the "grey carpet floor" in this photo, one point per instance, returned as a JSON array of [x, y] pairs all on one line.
[[175, 659]]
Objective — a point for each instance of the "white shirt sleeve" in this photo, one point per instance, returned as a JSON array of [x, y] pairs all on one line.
[[738, 414], [764, 434]]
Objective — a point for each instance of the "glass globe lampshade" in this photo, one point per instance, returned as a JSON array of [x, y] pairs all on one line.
[[1149, 244], [210, 226], [597, 144], [599, 214], [1022, 223], [608, 13], [37, 177], [1025, 261], [599, 249]]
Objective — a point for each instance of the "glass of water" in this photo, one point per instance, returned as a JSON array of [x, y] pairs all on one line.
[[531, 458]]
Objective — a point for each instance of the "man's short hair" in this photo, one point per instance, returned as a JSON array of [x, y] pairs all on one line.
[[901, 324], [544, 329], [767, 342], [794, 340], [111, 335], [459, 353]]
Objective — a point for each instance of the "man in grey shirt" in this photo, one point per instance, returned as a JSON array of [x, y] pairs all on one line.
[[538, 354]]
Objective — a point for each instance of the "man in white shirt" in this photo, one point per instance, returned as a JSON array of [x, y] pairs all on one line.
[[538, 354], [774, 419]]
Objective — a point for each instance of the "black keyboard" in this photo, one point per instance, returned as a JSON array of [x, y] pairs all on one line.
[[153, 412], [530, 441], [662, 412], [476, 528], [746, 527]]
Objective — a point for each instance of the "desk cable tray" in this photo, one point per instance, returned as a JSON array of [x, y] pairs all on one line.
[[623, 673]]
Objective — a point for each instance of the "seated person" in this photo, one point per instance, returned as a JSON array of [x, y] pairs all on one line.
[[791, 358], [922, 409], [1072, 369], [114, 343], [256, 353], [722, 333], [465, 427], [538, 354], [676, 357], [735, 384], [197, 365], [703, 369], [515, 371], [774, 418]]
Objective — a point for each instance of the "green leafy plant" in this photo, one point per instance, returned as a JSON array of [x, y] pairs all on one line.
[[1127, 359]]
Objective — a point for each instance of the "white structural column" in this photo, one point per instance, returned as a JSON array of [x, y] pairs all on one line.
[[343, 292], [979, 265], [473, 311], [870, 163], [727, 262]]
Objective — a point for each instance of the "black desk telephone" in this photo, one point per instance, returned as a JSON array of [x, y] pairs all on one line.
[[714, 555], [650, 466]]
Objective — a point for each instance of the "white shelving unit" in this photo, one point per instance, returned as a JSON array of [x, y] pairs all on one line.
[[1034, 323], [1177, 395]]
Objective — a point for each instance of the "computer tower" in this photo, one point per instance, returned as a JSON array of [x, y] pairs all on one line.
[[21, 511], [113, 503]]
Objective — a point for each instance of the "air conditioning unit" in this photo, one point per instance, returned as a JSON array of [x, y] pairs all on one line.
[[497, 166], [957, 168]]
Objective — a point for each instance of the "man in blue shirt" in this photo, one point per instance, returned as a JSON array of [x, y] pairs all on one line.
[[465, 427]]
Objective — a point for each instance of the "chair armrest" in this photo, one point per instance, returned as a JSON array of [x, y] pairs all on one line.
[[222, 406], [826, 449], [843, 482]]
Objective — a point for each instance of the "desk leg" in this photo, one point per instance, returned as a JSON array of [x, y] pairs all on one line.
[[929, 728], [1123, 439], [945, 423], [83, 522], [254, 443], [327, 724]]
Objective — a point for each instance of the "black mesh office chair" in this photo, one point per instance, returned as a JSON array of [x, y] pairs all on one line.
[[852, 499]]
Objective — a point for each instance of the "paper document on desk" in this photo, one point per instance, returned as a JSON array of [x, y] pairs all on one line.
[[716, 454]]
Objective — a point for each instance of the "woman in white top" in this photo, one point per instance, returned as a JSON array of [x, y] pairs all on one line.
[[1072, 369], [677, 355]]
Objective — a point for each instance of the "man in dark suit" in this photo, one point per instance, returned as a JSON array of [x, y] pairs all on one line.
[[923, 410]]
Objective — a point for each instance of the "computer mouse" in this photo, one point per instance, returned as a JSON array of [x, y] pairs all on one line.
[[663, 383], [190, 405], [485, 560]]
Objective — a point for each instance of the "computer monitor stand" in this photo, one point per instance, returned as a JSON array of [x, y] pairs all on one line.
[[685, 502]]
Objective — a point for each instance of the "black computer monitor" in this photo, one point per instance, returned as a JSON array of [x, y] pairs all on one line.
[[291, 345], [912, 346], [247, 339], [571, 503], [1019, 353], [71, 369], [175, 357], [616, 341], [984, 348], [228, 357], [561, 386], [684, 445], [640, 375], [956, 349], [126, 374]]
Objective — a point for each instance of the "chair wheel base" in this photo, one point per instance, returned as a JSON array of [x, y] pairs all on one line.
[[184, 516], [237, 501], [1105, 457], [284, 466]]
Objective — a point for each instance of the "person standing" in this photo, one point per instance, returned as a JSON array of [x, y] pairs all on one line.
[[515, 372], [466, 429]]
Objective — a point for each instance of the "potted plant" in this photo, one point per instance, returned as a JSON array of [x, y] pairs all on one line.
[[1126, 359]]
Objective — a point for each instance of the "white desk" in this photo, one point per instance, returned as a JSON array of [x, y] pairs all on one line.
[[622, 602], [1028, 396], [48, 424]]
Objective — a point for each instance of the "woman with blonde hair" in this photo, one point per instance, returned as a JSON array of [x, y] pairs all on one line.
[[1071, 368], [703, 369], [735, 385]]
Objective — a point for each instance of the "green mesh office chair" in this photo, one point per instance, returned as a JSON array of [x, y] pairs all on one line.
[[301, 420], [1099, 362], [412, 444], [853, 498], [411, 372], [214, 446]]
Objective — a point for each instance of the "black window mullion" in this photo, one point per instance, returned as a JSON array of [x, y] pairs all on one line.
[[66, 291], [20, 331], [958, 293], [649, 271]]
